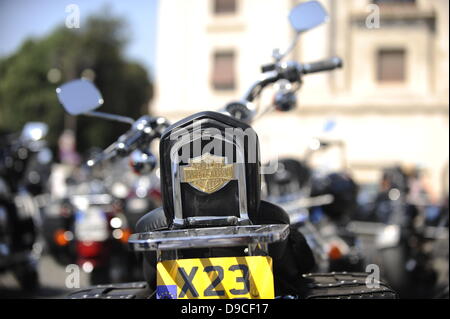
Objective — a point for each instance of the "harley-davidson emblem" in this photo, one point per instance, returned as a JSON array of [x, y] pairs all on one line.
[[207, 173]]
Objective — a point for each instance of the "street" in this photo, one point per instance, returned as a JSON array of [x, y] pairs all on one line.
[[52, 277]]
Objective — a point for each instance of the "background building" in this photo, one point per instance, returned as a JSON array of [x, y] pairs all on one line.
[[389, 104]]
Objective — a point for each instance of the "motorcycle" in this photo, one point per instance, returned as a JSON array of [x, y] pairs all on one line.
[[93, 227], [319, 206], [214, 237], [24, 168], [410, 235]]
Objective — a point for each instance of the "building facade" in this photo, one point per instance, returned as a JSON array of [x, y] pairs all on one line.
[[388, 104]]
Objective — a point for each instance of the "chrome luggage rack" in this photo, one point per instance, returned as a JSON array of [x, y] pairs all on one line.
[[229, 236]]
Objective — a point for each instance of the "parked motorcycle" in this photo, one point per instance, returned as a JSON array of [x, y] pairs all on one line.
[[92, 228], [320, 206], [411, 236], [214, 237], [24, 168]]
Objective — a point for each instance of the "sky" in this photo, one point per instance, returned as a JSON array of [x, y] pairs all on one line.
[[21, 19]]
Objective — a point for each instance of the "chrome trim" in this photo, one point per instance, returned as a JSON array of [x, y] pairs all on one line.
[[209, 237], [239, 175], [112, 117]]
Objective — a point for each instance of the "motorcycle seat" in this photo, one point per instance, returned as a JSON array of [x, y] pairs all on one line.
[[156, 219]]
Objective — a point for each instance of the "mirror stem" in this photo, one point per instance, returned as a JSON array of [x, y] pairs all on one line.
[[112, 117], [281, 56]]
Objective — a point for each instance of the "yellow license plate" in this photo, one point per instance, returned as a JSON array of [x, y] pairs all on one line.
[[216, 278]]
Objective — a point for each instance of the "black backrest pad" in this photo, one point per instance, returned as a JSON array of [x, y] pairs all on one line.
[[215, 136]]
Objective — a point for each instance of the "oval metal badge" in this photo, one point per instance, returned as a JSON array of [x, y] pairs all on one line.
[[207, 173]]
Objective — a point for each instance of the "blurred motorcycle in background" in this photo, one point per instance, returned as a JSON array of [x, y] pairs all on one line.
[[24, 169], [320, 205], [410, 234], [96, 217]]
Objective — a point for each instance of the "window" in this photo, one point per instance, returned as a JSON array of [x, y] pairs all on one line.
[[223, 76], [224, 6], [391, 65]]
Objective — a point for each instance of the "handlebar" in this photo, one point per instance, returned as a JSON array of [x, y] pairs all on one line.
[[130, 140], [268, 67], [326, 65], [147, 128], [291, 71], [141, 134]]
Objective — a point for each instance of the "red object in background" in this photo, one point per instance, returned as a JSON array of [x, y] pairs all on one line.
[[155, 194], [89, 249], [334, 253]]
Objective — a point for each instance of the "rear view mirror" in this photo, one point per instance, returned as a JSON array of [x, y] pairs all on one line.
[[79, 96], [307, 15]]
